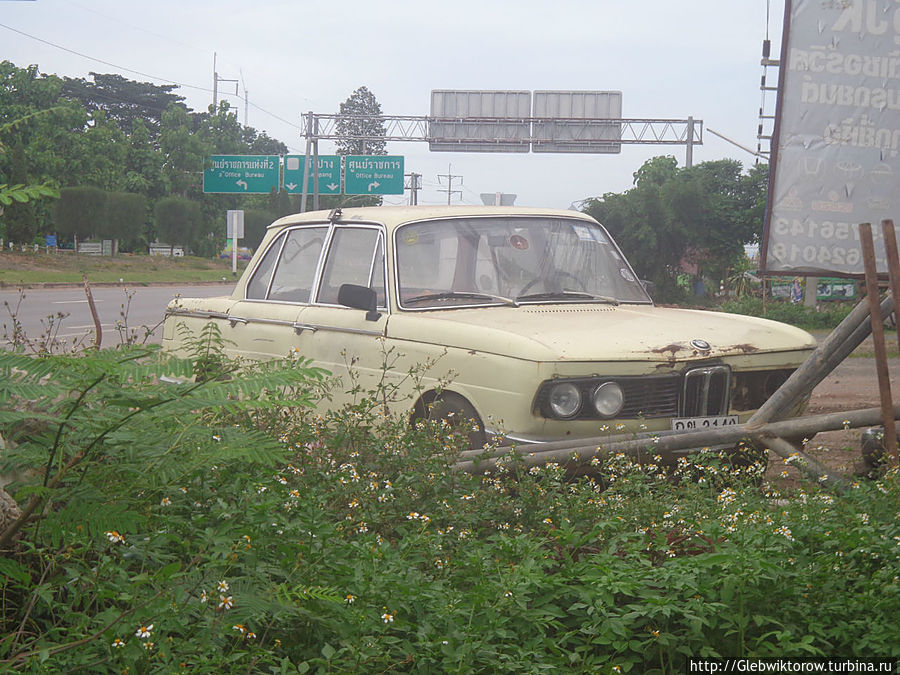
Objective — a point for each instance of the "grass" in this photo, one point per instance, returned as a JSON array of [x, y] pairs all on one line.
[[39, 268]]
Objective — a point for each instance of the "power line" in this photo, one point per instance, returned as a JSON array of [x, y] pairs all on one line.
[[138, 72], [450, 191], [105, 63]]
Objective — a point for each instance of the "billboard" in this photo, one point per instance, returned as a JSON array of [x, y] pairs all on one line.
[[470, 128], [565, 132], [836, 141]]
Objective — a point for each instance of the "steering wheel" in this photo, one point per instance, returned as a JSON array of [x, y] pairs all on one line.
[[552, 283]]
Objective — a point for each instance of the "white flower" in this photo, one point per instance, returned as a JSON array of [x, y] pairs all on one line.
[[114, 537], [144, 632]]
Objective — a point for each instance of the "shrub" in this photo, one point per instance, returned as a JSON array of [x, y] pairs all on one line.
[[224, 526], [811, 318]]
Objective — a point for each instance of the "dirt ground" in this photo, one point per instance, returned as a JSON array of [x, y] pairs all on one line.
[[851, 386]]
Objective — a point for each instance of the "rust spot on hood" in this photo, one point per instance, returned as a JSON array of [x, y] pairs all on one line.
[[745, 348], [674, 347], [669, 351]]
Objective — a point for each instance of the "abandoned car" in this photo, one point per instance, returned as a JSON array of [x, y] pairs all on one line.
[[531, 323]]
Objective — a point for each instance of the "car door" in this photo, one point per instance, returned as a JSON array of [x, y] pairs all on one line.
[[346, 341], [266, 322]]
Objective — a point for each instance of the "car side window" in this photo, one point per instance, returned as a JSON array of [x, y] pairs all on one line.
[[356, 256], [259, 282], [296, 270]]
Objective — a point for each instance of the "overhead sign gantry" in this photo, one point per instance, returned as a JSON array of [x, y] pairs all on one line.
[[510, 121]]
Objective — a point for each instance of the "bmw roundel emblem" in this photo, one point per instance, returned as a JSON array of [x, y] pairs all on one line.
[[702, 345]]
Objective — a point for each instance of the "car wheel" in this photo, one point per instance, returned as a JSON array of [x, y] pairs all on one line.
[[459, 414]]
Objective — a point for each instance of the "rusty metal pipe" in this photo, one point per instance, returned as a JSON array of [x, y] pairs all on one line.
[[881, 367]]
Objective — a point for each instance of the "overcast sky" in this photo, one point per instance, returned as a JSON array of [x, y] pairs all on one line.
[[698, 58]]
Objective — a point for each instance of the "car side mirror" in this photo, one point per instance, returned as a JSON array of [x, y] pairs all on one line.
[[360, 297]]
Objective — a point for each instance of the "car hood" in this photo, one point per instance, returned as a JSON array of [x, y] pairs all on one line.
[[591, 332]]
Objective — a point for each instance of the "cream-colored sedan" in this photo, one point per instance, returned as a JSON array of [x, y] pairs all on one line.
[[529, 321]]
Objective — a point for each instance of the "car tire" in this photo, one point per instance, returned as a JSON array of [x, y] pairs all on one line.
[[460, 415]]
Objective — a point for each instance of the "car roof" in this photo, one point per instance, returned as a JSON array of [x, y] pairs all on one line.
[[393, 216]]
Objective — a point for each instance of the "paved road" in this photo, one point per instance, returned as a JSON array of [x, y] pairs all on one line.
[[139, 307]]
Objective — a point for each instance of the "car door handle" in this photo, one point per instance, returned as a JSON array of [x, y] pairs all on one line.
[[300, 327]]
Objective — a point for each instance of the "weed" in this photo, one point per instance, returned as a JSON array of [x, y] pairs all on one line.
[[224, 525]]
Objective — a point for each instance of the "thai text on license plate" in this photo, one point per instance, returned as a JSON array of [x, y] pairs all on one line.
[[700, 423]]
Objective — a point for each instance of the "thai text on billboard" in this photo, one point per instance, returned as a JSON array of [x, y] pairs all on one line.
[[836, 147]]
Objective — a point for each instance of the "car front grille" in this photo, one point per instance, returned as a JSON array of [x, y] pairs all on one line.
[[706, 391], [702, 391]]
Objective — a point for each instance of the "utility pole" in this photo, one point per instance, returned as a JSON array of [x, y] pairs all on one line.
[[246, 104], [450, 191], [414, 187], [216, 80]]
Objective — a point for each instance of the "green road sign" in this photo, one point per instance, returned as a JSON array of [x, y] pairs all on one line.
[[329, 174], [373, 175], [241, 174]]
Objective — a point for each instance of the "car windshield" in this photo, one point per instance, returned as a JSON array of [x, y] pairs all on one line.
[[511, 260]]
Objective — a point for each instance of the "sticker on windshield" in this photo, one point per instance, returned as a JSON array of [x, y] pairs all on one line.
[[518, 242], [583, 232], [411, 238], [626, 274]]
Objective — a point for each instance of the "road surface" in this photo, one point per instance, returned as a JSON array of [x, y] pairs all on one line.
[[65, 313]]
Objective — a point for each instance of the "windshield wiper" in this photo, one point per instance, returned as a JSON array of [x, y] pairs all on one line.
[[468, 295], [566, 295]]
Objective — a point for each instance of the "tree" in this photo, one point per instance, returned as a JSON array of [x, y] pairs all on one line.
[[125, 218], [177, 220], [100, 153], [143, 164], [361, 125], [123, 101], [260, 143], [702, 215], [18, 216], [184, 152], [80, 212], [221, 130], [255, 223]]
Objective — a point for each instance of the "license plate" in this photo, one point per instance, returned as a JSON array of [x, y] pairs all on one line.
[[699, 423]]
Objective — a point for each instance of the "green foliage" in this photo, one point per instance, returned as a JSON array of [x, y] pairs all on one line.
[[80, 212], [124, 102], [23, 193], [826, 316], [116, 135], [218, 527], [255, 223], [17, 194], [125, 217], [177, 220], [362, 116], [700, 215]]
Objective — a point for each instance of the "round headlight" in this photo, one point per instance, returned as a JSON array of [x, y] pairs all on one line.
[[609, 399], [565, 400]]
